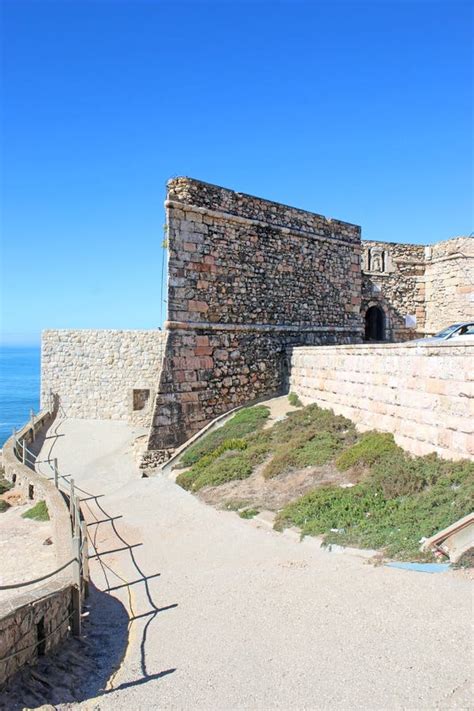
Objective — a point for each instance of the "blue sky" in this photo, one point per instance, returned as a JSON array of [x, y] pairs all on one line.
[[357, 110]]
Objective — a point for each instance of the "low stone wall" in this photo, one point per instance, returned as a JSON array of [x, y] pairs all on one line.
[[423, 394], [34, 620], [110, 375]]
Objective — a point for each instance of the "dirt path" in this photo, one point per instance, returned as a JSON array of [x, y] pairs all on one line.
[[228, 614]]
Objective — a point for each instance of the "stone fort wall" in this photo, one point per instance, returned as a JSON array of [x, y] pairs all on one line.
[[393, 279], [419, 289], [248, 278], [111, 375], [449, 278]]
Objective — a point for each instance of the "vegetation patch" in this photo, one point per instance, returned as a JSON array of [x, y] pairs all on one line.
[[309, 437], [294, 400], [39, 512], [236, 461], [5, 485], [244, 422], [372, 447], [248, 513], [399, 498], [425, 496], [4, 505]]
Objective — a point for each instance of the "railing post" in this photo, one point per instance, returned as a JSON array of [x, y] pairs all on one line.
[[76, 590], [85, 558], [23, 454], [32, 418], [71, 498], [56, 473], [77, 515]]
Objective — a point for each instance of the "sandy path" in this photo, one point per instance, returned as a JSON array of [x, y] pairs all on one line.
[[240, 617]]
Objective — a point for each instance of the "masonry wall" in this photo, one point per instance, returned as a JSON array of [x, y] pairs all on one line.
[[394, 279], [102, 374], [449, 283], [248, 278], [423, 394]]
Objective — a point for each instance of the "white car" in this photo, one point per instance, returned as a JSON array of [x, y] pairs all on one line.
[[457, 333]]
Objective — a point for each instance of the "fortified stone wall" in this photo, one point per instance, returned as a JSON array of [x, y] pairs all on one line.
[[247, 279], [449, 283], [423, 394], [393, 279], [109, 375]]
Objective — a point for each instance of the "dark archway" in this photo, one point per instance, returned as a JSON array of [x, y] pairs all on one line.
[[374, 324]]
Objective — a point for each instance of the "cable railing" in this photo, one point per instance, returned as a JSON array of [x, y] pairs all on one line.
[[80, 558]]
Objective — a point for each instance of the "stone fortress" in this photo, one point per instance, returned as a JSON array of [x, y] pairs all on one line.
[[249, 281]]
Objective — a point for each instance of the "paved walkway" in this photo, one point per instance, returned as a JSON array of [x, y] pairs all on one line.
[[228, 614]]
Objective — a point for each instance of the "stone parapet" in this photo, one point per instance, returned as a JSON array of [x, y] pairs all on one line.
[[102, 374], [36, 618]]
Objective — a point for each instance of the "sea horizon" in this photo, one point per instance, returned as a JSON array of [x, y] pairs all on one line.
[[19, 386]]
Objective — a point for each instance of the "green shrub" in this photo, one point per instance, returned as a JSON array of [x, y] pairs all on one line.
[[402, 475], [366, 517], [294, 400], [4, 505], [226, 463], [243, 423], [226, 468], [39, 512], [309, 421], [248, 513], [5, 485], [372, 447]]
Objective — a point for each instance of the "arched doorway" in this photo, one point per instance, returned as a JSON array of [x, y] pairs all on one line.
[[374, 324]]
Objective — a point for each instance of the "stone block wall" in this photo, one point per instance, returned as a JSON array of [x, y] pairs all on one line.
[[393, 279], [449, 283], [102, 374], [248, 278], [423, 394]]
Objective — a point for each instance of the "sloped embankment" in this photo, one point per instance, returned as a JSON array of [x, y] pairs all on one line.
[[318, 473]]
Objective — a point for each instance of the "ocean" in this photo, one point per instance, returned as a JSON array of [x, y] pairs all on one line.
[[19, 386]]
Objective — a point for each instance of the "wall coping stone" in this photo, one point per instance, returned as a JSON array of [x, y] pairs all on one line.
[[211, 326]]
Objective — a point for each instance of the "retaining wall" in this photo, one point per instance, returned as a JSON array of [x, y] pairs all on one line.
[[110, 375], [36, 619], [423, 394]]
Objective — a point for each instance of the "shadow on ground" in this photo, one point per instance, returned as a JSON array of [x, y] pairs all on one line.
[[85, 668]]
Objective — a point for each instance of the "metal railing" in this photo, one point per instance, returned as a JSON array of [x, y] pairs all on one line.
[[80, 559]]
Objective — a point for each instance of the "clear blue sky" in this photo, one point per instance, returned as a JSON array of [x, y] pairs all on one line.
[[356, 110]]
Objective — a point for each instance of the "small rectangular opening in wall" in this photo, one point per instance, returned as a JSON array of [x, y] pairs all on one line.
[[140, 398], [31, 491]]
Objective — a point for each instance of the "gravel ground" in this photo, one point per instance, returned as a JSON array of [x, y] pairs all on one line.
[[228, 614], [23, 552]]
